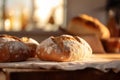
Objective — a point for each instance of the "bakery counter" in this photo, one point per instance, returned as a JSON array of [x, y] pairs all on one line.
[[98, 67]]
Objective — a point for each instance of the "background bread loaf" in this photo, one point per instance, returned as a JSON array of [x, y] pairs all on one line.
[[84, 24]]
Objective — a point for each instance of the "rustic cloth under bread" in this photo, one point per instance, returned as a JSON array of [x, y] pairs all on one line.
[[96, 62]]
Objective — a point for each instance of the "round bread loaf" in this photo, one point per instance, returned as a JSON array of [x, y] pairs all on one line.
[[32, 44], [85, 24], [64, 48], [12, 49], [112, 45]]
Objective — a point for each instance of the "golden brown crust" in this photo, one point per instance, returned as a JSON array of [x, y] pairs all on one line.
[[9, 37], [85, 24], [63, 48], [32, 44], [12, 49]]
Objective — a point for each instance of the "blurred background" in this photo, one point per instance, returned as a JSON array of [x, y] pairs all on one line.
[[27, 15], [17, 15]]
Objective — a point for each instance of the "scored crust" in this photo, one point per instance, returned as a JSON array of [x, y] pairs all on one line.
[[12, 49], [63, 48]]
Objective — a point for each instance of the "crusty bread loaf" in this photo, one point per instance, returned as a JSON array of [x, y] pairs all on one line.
[[64, 48], [85, 24], [12, 49], [112, 45], [32, 44]]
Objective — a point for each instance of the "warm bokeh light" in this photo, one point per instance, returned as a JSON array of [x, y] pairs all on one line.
[[45, 9], [32, 14], [7, 25]]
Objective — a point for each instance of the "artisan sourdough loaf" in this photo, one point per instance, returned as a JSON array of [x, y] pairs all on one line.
[[84, 24], [64, 48], [12, 49], [32, 44]]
